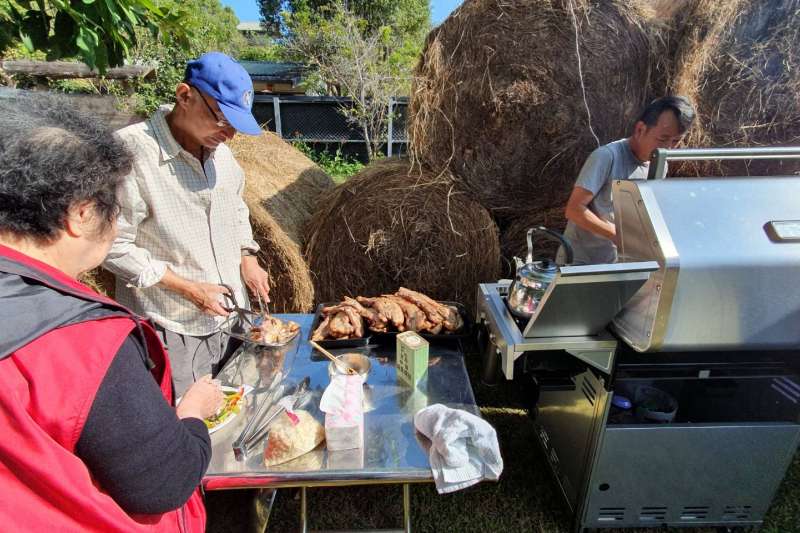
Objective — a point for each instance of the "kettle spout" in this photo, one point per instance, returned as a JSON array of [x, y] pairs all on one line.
[[518, 263]]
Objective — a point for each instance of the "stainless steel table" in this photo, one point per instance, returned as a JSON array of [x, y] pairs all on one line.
[[393, 451]]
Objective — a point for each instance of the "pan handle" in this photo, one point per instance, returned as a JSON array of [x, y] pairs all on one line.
[[553, 235]]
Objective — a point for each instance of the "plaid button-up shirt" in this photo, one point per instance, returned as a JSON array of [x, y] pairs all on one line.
[[181, 214]]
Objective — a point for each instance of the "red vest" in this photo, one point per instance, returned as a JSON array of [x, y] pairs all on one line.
[[47, 388]]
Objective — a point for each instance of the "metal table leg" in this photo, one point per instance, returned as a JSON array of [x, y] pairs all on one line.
[[260, 509], [406, 508], [303, 511]]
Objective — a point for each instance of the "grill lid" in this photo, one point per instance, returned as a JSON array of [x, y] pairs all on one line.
[[727, 279]]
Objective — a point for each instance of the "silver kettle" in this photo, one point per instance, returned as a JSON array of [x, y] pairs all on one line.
[[533, 277]]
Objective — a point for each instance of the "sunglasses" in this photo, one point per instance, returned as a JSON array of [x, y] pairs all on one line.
[[220, 120]]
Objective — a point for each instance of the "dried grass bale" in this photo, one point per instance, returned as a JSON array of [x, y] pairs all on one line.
[[390, 225], [513, 239], [282, 187], [291, 288], [101, 280], [665, 10], [286, 183], [738, 61], [499, 99]]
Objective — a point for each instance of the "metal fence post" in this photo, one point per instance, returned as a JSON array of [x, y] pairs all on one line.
[[276, 107], [390, 132]]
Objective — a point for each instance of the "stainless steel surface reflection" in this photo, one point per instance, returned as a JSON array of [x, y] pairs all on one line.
[[393, 452]]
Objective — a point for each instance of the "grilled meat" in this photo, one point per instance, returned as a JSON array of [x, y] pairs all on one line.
[[431, 309], [415, 319], [323, 331], [453, 320], [340, 325], [391, 311]]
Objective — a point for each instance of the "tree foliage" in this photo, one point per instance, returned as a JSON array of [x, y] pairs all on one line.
[[99, 32], [411, 17], [351, 58], [213, 28]]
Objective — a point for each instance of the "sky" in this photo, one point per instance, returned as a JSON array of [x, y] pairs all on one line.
[[247, 10]]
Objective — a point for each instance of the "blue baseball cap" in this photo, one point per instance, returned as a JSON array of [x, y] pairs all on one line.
[[227, 82]]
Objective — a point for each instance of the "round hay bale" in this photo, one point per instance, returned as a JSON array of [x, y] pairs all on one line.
[[665, 10], [291, 288], [499, 101], [513, 240], [392, 225], [101, 280], [283, 180], [738, 61], [282, 186]]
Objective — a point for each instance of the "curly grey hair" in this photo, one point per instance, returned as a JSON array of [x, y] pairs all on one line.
[[53, 157]]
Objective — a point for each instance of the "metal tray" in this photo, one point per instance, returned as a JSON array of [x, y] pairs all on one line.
[[235, 326], [336, 343], [465, 332]]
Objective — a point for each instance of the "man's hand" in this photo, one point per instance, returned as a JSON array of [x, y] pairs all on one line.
[[578, 212], [255, 277], [206, 296]]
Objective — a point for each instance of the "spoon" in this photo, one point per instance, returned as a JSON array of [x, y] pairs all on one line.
[[338, 362]]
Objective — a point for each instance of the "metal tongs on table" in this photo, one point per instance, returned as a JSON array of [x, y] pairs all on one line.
[[258, 426]]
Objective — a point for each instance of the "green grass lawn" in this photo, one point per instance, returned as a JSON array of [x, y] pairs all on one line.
[[525, 498]]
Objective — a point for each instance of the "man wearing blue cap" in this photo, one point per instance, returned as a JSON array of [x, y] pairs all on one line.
[[184, 229]]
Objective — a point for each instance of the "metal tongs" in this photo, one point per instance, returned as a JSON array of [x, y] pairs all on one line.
[[258, 426]]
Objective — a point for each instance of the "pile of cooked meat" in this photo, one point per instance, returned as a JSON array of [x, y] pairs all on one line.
[[406, 310], [274, 331]]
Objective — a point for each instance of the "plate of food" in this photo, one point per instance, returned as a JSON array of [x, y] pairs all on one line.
[[231, 406], [264, 330]]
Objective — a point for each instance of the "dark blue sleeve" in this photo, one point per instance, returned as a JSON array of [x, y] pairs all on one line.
[[133, 443]]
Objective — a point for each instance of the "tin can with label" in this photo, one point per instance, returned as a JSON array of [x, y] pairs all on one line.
[[412, 357]]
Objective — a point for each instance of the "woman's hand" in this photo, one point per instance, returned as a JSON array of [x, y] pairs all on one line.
[[202, 400]]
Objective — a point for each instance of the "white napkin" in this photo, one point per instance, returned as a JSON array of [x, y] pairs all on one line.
[[464, 448], [334, 398]]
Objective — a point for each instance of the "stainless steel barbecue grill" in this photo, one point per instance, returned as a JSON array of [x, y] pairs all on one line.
[[704, 310]]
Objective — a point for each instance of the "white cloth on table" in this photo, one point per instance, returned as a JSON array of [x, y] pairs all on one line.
[[464, 448]]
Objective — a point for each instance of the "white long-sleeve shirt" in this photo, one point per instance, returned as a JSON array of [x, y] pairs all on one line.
[[179, 214]]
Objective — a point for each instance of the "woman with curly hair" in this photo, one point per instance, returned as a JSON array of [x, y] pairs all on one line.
[[92, 440]]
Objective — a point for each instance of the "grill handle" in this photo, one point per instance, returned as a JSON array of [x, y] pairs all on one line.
[[660, 156]]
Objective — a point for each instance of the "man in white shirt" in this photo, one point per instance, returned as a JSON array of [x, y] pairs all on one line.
[[184, 229], [590, 209]]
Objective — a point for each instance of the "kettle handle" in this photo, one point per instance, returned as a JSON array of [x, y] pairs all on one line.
[[552, 234]]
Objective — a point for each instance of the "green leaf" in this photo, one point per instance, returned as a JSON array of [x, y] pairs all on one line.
[[129, 14], [112, 10], [101, 58], [63, 38], [150, 6], [87, 42], [26, 40], [36, 25]]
